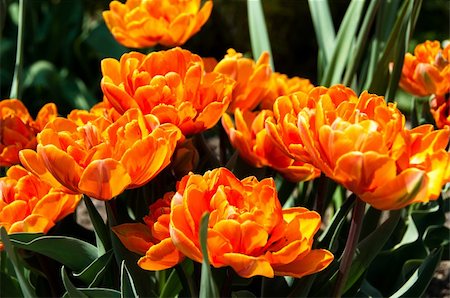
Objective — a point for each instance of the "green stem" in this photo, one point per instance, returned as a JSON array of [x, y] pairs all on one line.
[[16, 88], [350, 246]]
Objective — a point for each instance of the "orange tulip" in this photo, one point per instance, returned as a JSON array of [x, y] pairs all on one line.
[[30, 205], [171, 85], [247, 228], [152, 239], [102, 158], [139, 24], [252, 79], [281, 85], [440, 109], [427, 71], [18, 130], [365, 147], [282, 127], [249, 136]]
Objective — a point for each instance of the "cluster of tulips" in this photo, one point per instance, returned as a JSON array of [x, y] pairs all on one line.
[[157, 106]]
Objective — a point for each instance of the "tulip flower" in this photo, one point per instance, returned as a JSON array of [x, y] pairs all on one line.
[[249, 136], [152, 238], [139, 23], [30, 205], [102, 158], [18, 129], [252, 78], [172, 85], [440, 109], [366, 147], [247, 228], [281, 85], [282, 127], [427, 72]]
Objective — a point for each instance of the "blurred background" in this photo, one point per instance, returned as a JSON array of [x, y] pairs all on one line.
[[65, 40]]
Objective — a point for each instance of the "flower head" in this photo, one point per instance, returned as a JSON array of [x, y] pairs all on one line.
[[171, 85], [252, 78], [102, 158], [427, 71], [247, 228], [440, 109], [30, 205], [18, 129], [364, 146], [145, 23], [152, 239], [249, 136]]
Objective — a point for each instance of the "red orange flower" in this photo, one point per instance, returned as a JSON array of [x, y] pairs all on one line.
[[427, 71], [440, 109], [18, 129], [100, 158], [252, 78], [152, 239], [171, 85], [249, 136], [30, 205], [139, 23], [364, 146], [247, 228], [281, 84]]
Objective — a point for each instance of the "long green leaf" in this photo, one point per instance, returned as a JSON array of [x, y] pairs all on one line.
[[127, 287], [376, 81], [9, 286], [25, 286], [361, 41], [93, 273], [208, 287], [399, 53], [343, 43], [172, 286], [323, 26], [419, 281], [369, 247], [259, 37], [101, 230], [72, 291], [73, 253]]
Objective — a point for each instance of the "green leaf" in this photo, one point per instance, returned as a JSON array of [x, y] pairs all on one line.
[[93, 273], [172, 286], [9, 286], [369, 247], [73, 253], [100, 228], [323, 26], [367, 290], [72, 291], [419, 281], [103, 43], [361, 42], [399, 54], [343, 43], [25, 286], [376, 81], [127, 287], [259, 37], [208, 287], [75, 292]]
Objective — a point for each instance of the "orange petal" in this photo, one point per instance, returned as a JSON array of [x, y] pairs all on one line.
[[136, 237], [315, 261], [104, 179], [247, 266], [161, 256]]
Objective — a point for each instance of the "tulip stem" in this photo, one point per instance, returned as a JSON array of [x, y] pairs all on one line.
[[186, 280], [16, 88], [350, 246]]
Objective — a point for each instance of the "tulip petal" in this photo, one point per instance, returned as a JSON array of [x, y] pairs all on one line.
[[104, 179], [136, 237], [315, 261], [161, 256], [247, 266]]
